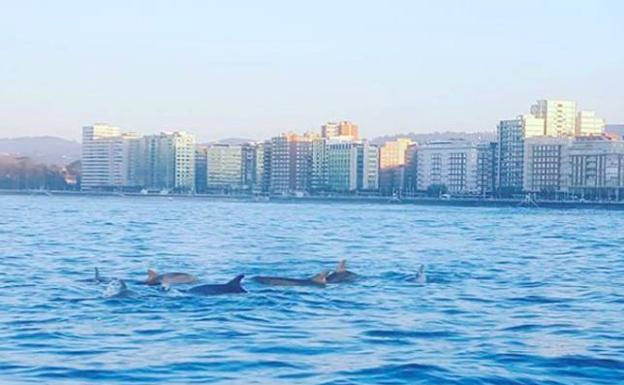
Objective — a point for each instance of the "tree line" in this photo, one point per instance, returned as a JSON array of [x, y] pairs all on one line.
[[22, 173]]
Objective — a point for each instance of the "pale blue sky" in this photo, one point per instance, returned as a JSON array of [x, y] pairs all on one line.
[[256, 68]]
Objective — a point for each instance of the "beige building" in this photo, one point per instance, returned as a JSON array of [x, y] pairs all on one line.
[[546, 164], [392, 154], [344, 129], [559, 116], [587, 124]]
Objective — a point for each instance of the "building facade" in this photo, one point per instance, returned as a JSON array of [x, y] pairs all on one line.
[[167, 161], [511, 135], [224, 167], [597, 168], [342, 166], [588, 124], [109, 158], [546, 165], [291, 163], [448, 165], [392, 165], [201, 169], [262, 179], [559, 116], [344, 129], [487, 165], [319, 180], [367, 167]]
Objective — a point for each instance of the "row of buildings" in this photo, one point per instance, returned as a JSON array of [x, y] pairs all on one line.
[[335, 160], [554, 151]]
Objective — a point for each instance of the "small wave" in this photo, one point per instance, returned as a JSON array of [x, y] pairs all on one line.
[[409, 334]]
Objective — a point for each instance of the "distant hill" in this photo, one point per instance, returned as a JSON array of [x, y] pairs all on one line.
[[42, 149], [475, 137], [231, 141]]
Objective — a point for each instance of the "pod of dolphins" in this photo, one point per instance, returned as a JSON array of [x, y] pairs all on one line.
[[118, 287]]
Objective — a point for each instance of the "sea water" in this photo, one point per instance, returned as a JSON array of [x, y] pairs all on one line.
[[512, 296]]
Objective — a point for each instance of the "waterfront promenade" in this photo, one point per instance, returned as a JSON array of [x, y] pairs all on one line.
[[426, 201]]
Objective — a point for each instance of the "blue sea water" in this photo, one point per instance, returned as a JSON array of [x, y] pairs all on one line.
[[513, 296]]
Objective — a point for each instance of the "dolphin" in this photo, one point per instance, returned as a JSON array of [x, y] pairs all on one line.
[[117, 288], [153, 278], [97, 278], [317, 280], [232, 287], [421, 277], [341, 274]]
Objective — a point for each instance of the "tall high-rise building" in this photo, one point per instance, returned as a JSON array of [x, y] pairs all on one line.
[[448, 163], [262, 177], [108, 157], [367, 167], [392, 165], [291, 163], [410, 176], [168, 161], [184, 155], [249, 165], [342, 166], [511, 135], [319, 178], [487, 164], [587, 124], [157, 162], [345, 128], [201, 168], [559, 116], [225, 167]]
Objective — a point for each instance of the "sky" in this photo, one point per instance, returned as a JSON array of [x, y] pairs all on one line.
[[253, 69]]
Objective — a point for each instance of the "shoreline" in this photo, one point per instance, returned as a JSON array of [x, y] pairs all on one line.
[[456, 202]]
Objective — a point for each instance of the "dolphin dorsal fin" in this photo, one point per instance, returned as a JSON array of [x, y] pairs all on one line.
[[151, 274], [321, 277], [342, 266], [97, 275], [236, 281]]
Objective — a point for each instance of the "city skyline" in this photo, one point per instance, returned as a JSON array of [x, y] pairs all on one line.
[[230, 70], [555, 149]]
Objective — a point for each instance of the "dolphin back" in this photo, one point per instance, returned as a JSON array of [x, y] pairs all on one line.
[[235, 283], [233, 286]]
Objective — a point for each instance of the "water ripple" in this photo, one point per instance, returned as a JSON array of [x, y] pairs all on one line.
[[516, 297]]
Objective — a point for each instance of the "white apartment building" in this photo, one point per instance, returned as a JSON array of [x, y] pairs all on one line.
[[184, 161], [108, 157], [452, 163], [367, 167]]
